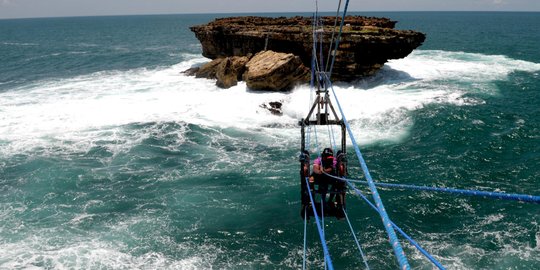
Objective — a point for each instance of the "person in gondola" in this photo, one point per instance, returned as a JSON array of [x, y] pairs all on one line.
[[322, 182], [323, 166], [325, 162]]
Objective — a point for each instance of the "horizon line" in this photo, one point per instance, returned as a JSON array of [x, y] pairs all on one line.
[[266, 12]]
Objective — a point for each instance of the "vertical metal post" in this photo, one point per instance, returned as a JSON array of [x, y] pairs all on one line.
[[318, 100], [303, 134], [343, 138]]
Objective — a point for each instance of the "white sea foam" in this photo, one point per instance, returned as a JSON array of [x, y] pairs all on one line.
[[97, 106], [432, 65], [89, 254]]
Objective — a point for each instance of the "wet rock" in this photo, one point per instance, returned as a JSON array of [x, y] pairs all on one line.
[[191, 71], [274, 107]]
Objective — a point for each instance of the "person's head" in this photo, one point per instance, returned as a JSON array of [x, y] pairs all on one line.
[[327, 152], [327, 157]]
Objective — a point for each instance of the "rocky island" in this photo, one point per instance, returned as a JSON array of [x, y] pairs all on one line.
[[274, 53]]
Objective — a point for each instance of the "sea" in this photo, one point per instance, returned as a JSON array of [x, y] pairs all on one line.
[[111, 158]]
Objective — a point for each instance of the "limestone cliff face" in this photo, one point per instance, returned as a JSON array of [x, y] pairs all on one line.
[[366, 43]]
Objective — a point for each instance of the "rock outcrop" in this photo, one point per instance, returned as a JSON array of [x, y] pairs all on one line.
[[266, 70], [230, 71], [366, 43], [208, 70], [269, 70]]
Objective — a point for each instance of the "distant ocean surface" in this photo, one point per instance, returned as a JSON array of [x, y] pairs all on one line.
[[110, 158]]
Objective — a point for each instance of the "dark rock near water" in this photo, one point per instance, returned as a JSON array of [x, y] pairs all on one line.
[[366, 43], [191, 71], [274, 107]]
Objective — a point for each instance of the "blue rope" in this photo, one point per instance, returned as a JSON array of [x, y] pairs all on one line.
[[321, 57], [394, 242], [332, 138], [332, 38], [311, 88], [316, 140], [321, 234], [414, 243], [339, 37], [314, 50], [485, 194], [322, 223], [350, 226], [356, 241]]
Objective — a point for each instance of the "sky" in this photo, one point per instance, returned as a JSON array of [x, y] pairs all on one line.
[[66, 8]]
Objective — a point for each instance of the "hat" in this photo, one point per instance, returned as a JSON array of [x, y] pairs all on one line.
[[327, 152]]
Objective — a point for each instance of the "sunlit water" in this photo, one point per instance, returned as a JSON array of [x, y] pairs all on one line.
[[111, 158]]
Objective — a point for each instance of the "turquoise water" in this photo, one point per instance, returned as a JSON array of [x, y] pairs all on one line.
[[110, 158]]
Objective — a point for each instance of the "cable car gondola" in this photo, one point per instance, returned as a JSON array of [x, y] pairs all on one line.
[[328, 191]]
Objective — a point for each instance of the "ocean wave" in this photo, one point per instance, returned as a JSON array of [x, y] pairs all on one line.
[[379, 107], [91, 254], [83, 44], [19, 44], [432, 65]]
